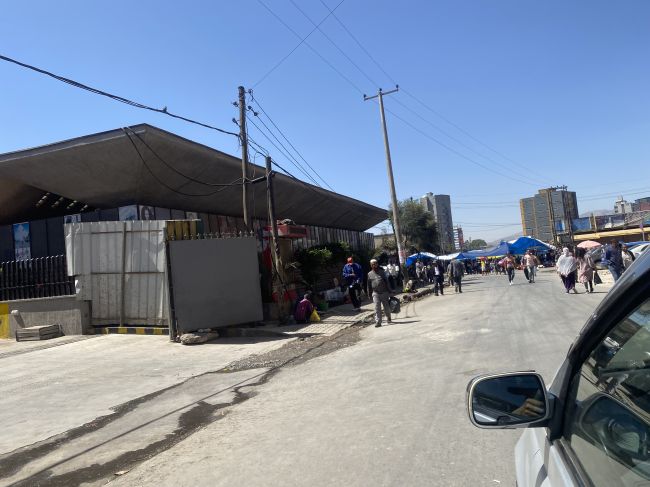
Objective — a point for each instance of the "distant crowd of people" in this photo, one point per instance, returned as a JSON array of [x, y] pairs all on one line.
[[573, 266]]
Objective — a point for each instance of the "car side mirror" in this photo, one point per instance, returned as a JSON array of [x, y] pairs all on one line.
[[514, 400]]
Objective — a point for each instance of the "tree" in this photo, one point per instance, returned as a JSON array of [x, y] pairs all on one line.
[[417, 226], [477, 244]]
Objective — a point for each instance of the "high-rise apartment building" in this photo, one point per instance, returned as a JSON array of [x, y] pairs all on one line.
[[440, 206], [459, 240], [549, 213]]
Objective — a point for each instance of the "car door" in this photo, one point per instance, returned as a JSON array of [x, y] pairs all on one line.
[[599, 433], [606, 418], [592, 427]]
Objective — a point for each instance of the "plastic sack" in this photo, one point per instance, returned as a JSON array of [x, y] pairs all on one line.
[[394, 305], [314, 316]]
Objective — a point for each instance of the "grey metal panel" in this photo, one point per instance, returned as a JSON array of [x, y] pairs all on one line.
[[107, 254], [215, 282]]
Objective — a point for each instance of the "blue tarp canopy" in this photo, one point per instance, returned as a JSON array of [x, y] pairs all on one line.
[[502, 249], [522, 244], [410, 260]]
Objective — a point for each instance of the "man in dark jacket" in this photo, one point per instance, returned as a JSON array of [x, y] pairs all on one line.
[[353, 278], [379, 288], [614, 259], [457, 271]]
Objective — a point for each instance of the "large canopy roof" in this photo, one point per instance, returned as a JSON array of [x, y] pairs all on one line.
[[104, 170]]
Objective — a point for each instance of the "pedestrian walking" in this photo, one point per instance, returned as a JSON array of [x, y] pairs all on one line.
[[379, 288], [393, 271], [585, 269], [614, 259], [508, 263], [438, 278], [627, 256], [353, 278], [530, 262], [566, 267], [457, 271]]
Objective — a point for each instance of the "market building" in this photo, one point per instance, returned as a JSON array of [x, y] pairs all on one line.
[[144, 173], [148, 173]]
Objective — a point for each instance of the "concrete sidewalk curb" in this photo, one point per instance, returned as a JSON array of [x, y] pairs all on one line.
[[364, 317]]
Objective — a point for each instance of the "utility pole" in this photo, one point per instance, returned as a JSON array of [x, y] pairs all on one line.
[[270, 198], [277, 276], [244, 155], [389, 167]]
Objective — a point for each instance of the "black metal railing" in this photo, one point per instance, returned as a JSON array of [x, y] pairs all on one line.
[[42, 277]]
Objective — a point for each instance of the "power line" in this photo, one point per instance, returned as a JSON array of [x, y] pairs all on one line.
[[466, 146], [283, 151], [348, 80], [359, 43], [371, 57], [261, 150], [171, 167], [334, 43], [397, 99], [302, 40], [160, 181], [459, 128], [289, 142], [459, 154], [82, 86]]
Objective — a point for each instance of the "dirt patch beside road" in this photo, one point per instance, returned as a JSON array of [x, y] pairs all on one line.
[[299, 351]]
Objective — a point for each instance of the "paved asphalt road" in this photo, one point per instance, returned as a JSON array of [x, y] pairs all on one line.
[[389, 410]]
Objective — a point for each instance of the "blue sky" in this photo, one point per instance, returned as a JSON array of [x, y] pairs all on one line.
[[558, 91]]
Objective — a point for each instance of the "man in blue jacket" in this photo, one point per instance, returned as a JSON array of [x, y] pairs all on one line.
[[613, 259], [353, 278]]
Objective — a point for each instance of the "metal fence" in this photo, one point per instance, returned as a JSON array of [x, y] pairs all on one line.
[[42, 277]]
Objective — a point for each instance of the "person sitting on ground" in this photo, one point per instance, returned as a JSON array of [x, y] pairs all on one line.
[[304, 309]]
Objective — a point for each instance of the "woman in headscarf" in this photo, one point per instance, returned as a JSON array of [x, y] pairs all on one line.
[[566, 266], [585, 269]]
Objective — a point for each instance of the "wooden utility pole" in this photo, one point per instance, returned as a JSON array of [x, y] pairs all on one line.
[[244, 156], [389, 167]]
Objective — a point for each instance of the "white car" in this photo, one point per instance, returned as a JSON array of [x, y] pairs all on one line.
[[592, 426]]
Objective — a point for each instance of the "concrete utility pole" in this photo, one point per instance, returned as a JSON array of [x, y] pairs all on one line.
[[270, 197], [389, 167], [277, 276], [244, 155]]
